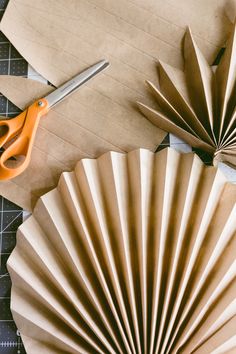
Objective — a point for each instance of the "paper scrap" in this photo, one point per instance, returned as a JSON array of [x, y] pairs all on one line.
[[61, 38], [58, 38], [73, 129]]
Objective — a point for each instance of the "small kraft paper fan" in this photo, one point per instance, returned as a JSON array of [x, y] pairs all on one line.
[[199, 104], [131, 253]]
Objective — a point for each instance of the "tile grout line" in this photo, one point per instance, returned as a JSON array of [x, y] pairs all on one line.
[[4, 275], [16, 217], [11, 59]]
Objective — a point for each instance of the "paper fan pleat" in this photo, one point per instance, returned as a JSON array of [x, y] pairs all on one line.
[[199, 77], [225, 83], [173, 86], [131, 253]]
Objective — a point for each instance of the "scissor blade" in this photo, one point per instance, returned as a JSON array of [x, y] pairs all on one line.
[[73, 84]]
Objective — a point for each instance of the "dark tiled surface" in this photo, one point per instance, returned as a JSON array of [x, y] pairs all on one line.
[[165, 143], [4, 67], [12, 109], [3, 4], [10, 214], [9, 239], [18, 67], [3, 104], [10, 341], [4, 51], [10, 219]]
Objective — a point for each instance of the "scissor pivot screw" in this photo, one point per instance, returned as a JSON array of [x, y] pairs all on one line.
[[40, 103]]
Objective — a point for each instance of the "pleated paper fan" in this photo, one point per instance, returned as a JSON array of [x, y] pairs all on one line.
[[199, 103], [131, 253]]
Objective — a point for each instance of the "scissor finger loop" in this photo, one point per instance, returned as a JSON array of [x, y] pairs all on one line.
[[17, 134]]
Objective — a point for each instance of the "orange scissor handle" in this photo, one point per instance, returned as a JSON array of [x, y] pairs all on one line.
[[9, 128], [19, 132]]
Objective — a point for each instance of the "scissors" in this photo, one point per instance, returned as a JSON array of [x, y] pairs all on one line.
[[17, 134]]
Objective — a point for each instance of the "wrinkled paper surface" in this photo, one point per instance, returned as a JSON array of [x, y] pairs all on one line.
[[72, 130], [61, 38]]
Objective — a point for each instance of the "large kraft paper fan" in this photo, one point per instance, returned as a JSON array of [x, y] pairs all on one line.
[[199, 103], [131, 253]]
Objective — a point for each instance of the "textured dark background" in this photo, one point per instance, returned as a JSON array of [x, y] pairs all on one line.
[[11, 63]]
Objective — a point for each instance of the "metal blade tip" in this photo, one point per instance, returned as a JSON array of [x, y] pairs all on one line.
[[104, 62]]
